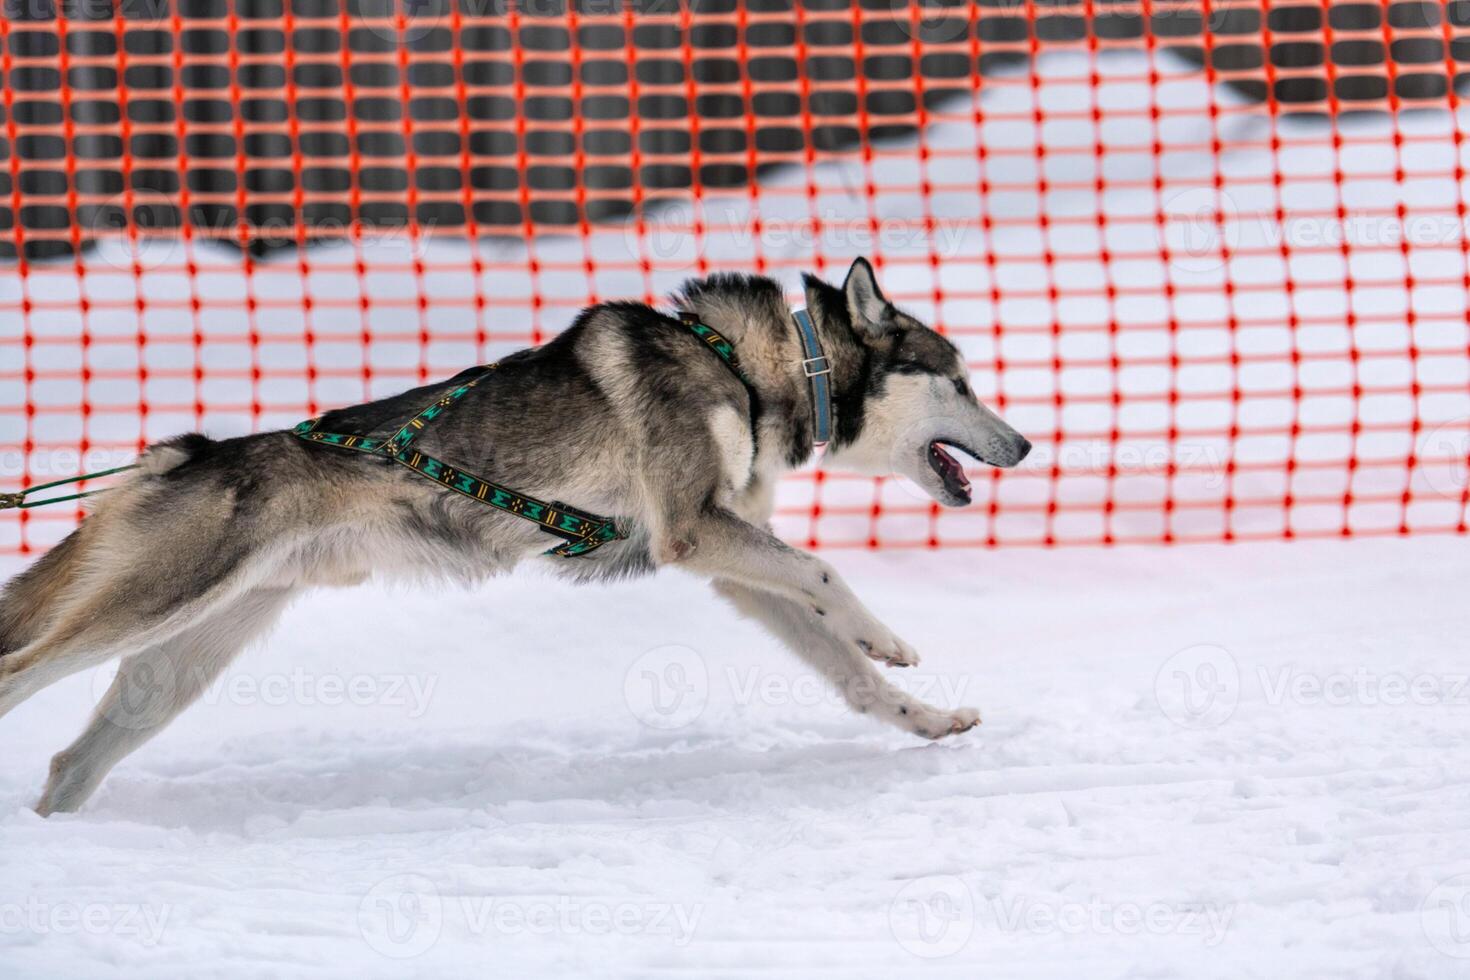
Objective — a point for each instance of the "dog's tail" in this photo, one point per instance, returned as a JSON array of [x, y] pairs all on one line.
[[28, 601]]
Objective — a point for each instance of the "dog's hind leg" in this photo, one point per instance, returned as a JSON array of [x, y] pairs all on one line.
[[134, 593], [121, 613], [151, 688], [32, 597], [860, 683], [82, 638]]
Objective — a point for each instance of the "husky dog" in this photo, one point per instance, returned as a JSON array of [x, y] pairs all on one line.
[[626, 413]]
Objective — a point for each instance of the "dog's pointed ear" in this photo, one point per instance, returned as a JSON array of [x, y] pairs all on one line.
[[866, 304]]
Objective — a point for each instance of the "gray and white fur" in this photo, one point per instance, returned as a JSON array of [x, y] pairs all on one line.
[[625, 413]]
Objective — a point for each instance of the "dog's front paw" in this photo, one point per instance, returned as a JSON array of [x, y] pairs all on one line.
[[935, 724], [891, 651]]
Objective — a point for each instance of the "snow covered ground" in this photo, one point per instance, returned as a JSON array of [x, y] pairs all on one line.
[[1241, 761]]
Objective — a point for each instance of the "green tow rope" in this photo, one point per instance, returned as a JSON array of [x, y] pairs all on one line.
[[18, 501]]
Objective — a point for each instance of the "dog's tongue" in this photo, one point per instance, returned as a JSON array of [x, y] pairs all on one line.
[[948, 468]]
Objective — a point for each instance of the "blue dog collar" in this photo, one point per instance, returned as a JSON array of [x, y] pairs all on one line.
[[816, 367]]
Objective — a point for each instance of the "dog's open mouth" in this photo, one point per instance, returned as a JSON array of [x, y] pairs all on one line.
[[951, 473]]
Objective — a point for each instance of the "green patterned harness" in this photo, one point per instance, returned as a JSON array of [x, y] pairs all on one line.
[[582, 532]]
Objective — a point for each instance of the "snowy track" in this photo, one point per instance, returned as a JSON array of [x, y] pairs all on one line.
[[645, 786]]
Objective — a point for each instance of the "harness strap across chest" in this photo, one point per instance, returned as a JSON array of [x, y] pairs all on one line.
[[582, 532]]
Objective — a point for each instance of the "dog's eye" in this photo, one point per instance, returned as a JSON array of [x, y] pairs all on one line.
[[961, 386]]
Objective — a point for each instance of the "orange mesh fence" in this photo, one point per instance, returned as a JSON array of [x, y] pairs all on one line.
[[1211, 257]]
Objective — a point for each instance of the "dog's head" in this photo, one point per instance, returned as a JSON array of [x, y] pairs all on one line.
[[912, 402]]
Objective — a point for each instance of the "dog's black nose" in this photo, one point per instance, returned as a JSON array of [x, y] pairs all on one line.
[[1023, 447]]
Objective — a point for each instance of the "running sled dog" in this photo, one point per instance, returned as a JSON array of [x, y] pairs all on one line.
[[677, 426]]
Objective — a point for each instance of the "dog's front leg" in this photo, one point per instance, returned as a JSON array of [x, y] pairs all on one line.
[[864, 689], [728, 549]]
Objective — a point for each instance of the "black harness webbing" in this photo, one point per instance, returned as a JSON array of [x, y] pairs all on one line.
[[582, 532]]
